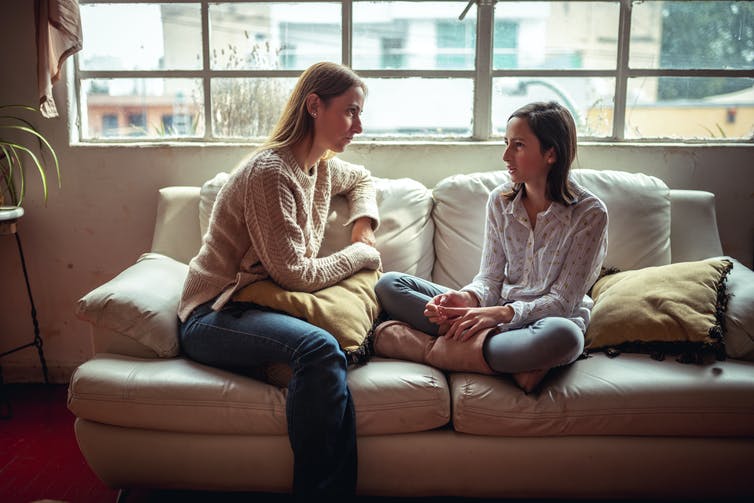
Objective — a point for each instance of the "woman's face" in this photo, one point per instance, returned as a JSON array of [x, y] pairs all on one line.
[[339, 120], [523, 153]]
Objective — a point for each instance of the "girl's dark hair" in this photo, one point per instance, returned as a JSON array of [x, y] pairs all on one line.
[[554, 127]]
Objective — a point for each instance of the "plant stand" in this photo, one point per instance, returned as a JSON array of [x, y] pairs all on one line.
[[8, 225]]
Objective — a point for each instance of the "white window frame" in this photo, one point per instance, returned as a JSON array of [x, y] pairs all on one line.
[[482, 75]]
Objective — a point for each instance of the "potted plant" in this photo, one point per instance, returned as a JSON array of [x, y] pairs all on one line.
[[22, 147]]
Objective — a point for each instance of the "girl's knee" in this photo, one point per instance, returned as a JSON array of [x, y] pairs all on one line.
[[566, 336]]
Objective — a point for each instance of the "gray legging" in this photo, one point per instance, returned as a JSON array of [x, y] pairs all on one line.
[[546, 343]]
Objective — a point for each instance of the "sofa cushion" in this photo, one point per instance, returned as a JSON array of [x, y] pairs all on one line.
[[630, 395], [178, 394], [346, 309], [676, 308], [404, 237], [140, 303], [638, 209]]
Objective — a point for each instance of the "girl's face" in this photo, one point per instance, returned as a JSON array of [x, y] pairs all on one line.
[[523, 154], [339, 121]]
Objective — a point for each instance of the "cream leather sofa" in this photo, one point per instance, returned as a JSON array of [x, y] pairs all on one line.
[[623, 427]]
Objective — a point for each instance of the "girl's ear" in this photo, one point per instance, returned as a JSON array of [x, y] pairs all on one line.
[[313, 104], [551, 156]]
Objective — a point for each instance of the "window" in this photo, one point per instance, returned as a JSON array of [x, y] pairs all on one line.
[[200, 70]]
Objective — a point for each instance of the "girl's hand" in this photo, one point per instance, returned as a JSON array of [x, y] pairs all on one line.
[[467, 321], [362, 232], [451, 298]]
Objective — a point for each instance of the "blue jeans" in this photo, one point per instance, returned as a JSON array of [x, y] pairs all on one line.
[[546, 343], [319, 408]]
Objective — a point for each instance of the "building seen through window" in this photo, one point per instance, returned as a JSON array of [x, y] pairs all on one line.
[[687, 71]]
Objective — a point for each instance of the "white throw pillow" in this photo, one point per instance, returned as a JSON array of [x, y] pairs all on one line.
[[140, 303], [404, 237], [207, 196]]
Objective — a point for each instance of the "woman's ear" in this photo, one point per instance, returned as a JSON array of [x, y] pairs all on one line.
[[313, 104]]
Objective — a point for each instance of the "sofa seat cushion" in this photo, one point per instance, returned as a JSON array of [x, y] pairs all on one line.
[[178, 394], [629, 395]]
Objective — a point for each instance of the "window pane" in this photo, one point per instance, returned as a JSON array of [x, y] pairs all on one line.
[[720, 114], [274, 35], [158, 37], [555, 35], [415, 106], [142, 108], [590, 100], [413, 36], [698, 35], [248, 108]]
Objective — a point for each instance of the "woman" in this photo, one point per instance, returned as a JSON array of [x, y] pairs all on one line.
[[268, 221], [545, 241]]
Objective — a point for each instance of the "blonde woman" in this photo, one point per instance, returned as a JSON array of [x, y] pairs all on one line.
[[268, 222]]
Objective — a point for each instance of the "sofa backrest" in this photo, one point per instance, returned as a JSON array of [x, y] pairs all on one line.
[[638, 220], [437, 234]]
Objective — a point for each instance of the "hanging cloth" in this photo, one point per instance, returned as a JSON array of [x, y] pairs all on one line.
[[58, 36]]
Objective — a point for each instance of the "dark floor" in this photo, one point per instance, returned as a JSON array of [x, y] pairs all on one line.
[[40, 460]]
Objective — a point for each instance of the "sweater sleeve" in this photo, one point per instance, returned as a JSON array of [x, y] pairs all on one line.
[[272, 216], [355, 183]]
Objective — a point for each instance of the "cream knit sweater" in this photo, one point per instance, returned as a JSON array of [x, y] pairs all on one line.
[[268, 221]]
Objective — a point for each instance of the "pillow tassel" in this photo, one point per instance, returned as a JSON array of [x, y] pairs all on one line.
[[365, 351]]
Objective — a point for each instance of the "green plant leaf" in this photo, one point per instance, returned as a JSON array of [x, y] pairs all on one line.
[[11, 153]]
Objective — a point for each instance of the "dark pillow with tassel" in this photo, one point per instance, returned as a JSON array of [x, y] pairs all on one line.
[[673, 309]]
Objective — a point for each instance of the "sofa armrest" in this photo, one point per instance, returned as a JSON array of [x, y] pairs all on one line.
[[693, 229], [140, 304]]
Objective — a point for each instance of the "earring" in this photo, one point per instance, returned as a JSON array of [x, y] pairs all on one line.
[[314, 114]]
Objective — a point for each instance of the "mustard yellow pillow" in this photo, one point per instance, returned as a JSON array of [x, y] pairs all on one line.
[[677, 308], [347, 309]]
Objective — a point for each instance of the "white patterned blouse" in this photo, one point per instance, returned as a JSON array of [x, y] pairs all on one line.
[[546, 271]]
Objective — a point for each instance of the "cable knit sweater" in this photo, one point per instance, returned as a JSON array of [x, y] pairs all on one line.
[[268, 221]]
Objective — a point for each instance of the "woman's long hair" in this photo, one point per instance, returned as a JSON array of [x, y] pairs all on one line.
[[554, 127], [326, 80]]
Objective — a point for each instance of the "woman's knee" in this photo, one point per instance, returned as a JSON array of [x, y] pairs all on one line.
[[320, 348]]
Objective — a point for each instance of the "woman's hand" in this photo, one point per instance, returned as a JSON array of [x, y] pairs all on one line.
[[451, 298], [465, 322], [362, 232]]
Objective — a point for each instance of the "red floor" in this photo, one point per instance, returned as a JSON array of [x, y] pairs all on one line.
[[39, 457]]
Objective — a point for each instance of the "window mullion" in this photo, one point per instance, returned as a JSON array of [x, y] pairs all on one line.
[[483, 82], [79, 119], [347, 32], [206, 72], [621, 78]]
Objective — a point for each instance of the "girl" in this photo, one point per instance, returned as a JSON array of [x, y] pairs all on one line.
[[268, 221], [545, 241]]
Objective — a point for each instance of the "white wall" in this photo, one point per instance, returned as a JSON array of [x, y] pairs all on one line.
[[101, 219]]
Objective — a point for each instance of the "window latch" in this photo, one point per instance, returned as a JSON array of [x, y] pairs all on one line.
[[472, 2], [468, 6]]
